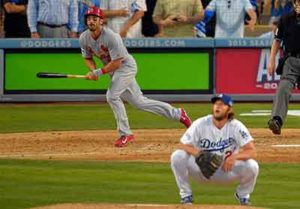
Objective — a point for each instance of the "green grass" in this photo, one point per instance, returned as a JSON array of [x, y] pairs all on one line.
[[59, 117], [28, 183]]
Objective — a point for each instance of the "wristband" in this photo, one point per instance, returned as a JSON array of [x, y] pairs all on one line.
[[99, 72]]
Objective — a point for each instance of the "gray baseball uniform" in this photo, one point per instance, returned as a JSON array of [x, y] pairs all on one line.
[[109, 46]]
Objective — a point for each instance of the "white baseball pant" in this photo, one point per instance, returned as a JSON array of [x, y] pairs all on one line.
[[184, 165]]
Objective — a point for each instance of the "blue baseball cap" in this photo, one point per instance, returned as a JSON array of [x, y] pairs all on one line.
[[225, 98]]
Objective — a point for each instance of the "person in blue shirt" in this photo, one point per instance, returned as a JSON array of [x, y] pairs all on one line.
[[53, 18]]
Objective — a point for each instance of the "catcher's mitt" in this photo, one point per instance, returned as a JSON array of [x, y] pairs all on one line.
[[208, 163]]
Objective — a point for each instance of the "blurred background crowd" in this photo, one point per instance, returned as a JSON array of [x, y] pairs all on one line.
[[144, 18]]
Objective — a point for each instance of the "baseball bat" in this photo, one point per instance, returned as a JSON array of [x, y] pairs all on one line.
[[58, 75]]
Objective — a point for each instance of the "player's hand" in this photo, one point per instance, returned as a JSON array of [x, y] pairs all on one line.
[[228, 163], [91, 76], [271, 66]]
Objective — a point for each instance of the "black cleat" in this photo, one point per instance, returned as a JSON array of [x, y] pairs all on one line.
[[275, 126]]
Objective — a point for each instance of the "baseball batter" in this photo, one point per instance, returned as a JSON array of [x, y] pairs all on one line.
[[108, 46], [218, 133]]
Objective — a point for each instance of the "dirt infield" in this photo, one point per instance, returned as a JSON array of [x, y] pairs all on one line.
[[149, 145]]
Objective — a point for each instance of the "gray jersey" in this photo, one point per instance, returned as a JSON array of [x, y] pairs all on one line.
[[109, 46]]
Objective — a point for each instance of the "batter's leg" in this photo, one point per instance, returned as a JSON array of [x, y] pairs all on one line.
[[119, 84], [135, 97]]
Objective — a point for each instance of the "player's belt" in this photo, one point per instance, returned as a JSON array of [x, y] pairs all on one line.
[[51, 26]]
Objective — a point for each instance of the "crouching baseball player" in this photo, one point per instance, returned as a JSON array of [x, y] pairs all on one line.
[[108, 46], [216, 148]]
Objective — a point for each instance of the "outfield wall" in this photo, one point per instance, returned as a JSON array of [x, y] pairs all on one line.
[[169, 70]]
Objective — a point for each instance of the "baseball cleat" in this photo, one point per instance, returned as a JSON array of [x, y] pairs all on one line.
[[275, 126], [242, 200], [184, 119], [124, 140], [187, 200]]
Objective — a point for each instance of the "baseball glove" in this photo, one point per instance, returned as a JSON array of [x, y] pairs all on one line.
[[208, 163]]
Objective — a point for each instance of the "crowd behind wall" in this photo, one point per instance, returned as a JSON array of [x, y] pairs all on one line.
[[153, 18]]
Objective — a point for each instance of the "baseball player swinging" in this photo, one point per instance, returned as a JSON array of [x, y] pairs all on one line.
[[108, 46], [210, 152]]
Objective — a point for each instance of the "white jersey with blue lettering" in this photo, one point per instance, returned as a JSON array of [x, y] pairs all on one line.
[[229, 139], [205, 135]]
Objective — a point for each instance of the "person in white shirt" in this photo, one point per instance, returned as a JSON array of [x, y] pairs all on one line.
[[220, 134], [124, 16]]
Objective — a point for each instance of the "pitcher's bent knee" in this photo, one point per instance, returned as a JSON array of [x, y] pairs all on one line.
[[178, 157], [252, 166]]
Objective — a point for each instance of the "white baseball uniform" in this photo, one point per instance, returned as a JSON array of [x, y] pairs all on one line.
[[204, 135], [109, 46]]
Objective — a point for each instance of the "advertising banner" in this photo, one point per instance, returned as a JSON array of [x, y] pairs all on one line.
[[244, 71], [158, 72]]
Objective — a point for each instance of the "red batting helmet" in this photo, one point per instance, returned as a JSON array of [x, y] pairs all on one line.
[[94, 11]]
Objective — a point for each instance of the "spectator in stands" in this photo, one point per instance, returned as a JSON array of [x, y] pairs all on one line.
[[271, 33], [15, 22], [124, 17], [279, 8], [83, 6], [53, 19], [211, 25], [255, 7], [175, 18], [149, 28], [1, 19], [230, 16]]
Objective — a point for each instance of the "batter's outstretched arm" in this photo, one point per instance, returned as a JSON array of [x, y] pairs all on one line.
[[113, 65], [109, 67], [90, 63]]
